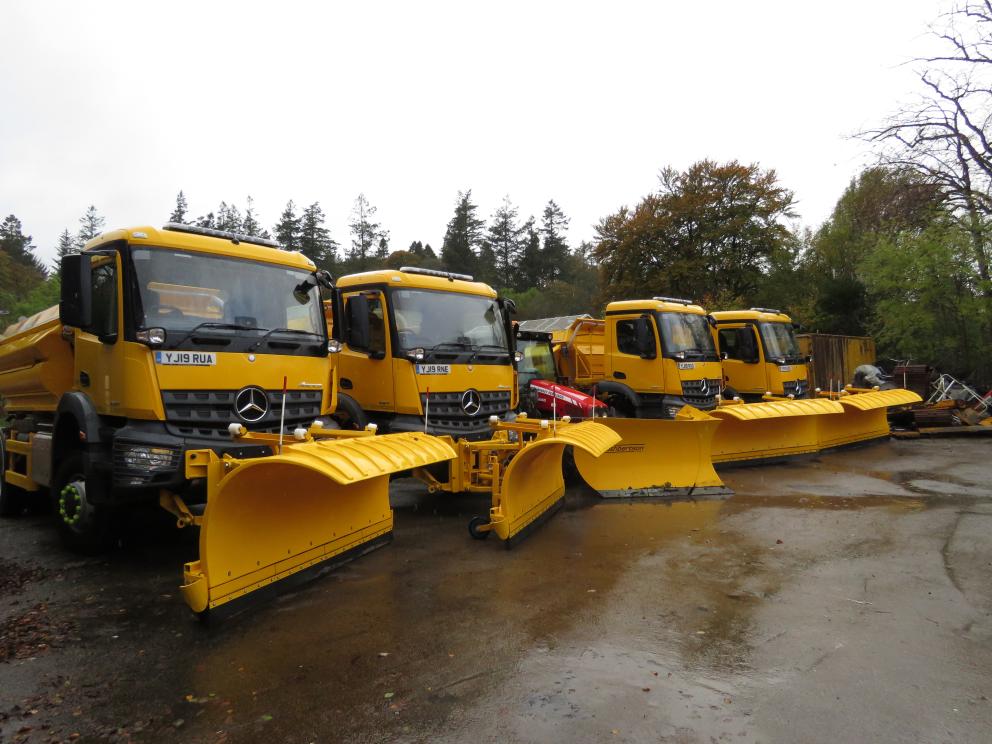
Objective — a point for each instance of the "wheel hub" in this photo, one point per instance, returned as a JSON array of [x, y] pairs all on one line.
[[72, 502]]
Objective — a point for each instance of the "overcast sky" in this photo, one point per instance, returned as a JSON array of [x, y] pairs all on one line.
[[122, 104]]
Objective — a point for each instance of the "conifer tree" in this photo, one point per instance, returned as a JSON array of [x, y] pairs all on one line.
[[207, 220], [18, 247], [179, 213], [65, 246], [554, 251], [250, 224], [530, 268], [367, 236], [287, 229], [90, 225], [229, 218], [463, 236], [315, 239], [506, 236]]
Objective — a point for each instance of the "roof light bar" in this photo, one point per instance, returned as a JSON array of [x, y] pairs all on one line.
[[679, 300], [223, 234], [434, 272], [766, 310]]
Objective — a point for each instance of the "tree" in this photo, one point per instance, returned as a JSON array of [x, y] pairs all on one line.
[[90, 225], [250, 224], [21, 272], [65, 246], [711, 230], [529, 270], [368, 238], [315, 239], [945, 134], [287, 230], [179, 213], [506, 237], [463, 236], [228, 218], [554, 250]]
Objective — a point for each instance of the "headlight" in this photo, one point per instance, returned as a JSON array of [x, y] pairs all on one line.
[[151, 336], [417, 355], [148, 458], [333, 346], [518, 356]]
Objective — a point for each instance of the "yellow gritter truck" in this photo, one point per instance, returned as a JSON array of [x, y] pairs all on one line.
[[193, 368], [760, 354]]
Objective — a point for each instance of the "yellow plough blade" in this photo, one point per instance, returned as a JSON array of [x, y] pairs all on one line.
[[865, 417], [532, 484], [770, 430], [267, 518], [655, 458]]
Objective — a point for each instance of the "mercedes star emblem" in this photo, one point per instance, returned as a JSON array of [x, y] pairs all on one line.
[[251, 404], [471, 402]]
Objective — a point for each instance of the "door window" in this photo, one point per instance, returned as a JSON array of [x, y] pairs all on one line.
[[738, 343], [103, 285], [635, 337]]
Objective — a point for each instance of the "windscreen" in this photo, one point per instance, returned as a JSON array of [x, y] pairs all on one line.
[[537, 361], [180, 291], [686, 335], [780, 341], [428, 320]]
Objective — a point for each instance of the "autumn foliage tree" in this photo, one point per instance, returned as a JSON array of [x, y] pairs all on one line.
[[712, 230]]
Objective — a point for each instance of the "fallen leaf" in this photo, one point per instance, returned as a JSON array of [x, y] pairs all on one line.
[[388, 696]]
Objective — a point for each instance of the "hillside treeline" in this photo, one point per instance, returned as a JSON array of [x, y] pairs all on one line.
[[903, 257]]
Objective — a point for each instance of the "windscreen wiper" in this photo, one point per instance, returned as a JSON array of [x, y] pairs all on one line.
[[213, 324], [283, 330]]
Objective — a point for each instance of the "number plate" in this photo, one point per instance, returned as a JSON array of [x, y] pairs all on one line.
[[785, 368], [186, 358], [433, 369], [687, 365]]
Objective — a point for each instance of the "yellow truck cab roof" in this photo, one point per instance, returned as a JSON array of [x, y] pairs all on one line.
[[215, 245], [662, 304], [416, 278], [761, 314]]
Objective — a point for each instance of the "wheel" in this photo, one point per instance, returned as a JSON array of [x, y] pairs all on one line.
[[473, 528], [83, 526], [11, 497]]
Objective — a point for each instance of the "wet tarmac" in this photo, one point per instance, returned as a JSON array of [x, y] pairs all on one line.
[[845, 598]]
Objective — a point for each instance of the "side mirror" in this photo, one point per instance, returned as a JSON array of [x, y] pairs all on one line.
[[357, 318], [509, 305], [711, 320], [324, 279], [76, 302]]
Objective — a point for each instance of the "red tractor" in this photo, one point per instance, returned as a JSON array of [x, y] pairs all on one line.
[[541, 395]]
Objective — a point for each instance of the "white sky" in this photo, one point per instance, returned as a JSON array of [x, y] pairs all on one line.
[[122, 104]]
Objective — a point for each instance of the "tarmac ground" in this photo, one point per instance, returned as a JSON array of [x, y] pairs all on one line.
[[845, 598]]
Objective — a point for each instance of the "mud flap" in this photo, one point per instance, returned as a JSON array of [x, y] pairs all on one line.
[[771, 430], [656, 458], [270, 517], [531, 487], [864, 417]]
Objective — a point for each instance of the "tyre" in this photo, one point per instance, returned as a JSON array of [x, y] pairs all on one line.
[[11, 497], [473, 528], [83, 526]]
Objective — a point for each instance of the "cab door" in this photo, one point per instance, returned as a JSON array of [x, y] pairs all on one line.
[[740, 355], [635, 358], [99, 358], [365, 361]]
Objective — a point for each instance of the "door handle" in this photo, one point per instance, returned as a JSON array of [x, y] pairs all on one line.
[[620, 375], [84, 379]]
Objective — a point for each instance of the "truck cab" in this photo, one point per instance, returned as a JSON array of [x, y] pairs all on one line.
[[162, 340], [662, 351], [760, 354], [422, 344]]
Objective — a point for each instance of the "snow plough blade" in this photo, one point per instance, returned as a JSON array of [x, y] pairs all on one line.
[[655, 458], [770, 430], [521, 468], [865, 416], [318, 500]]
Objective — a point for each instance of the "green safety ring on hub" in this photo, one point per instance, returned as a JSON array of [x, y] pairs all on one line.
[[64, 494]]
